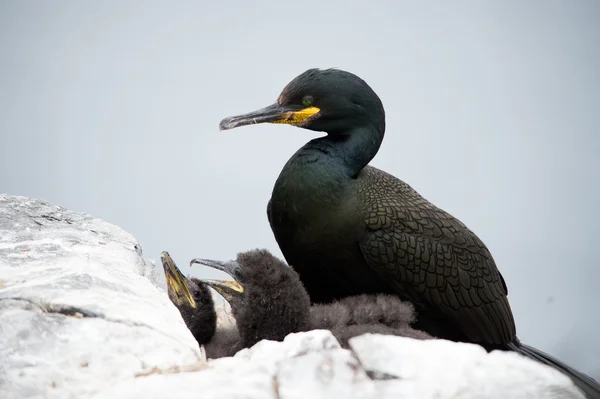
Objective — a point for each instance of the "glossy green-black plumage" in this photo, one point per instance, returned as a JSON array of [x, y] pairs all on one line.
[[394, 241], [348, 228]]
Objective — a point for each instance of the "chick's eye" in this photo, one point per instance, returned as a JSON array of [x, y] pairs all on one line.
[[307, 101]]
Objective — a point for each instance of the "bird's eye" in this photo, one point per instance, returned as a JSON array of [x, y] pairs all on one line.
[[307, 101]]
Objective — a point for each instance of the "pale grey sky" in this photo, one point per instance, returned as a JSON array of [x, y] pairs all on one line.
[[493, 114]]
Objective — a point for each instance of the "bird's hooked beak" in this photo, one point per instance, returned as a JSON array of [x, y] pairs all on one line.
[[227, 288], [288, 114], [176, 282]]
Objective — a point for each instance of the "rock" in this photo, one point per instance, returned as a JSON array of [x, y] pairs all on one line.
[[329, 374], [294, 345], [251, 373], [78, 309], [227, 378], [312, 364], [440, 369], [82, 315]]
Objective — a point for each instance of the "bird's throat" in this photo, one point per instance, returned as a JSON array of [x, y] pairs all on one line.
[[342, 153], [318, 180]]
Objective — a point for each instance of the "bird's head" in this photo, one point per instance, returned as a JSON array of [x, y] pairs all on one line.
[[255, 273], [330, 100], [192, 298], [234, 291], [179, 289], [266, 296]]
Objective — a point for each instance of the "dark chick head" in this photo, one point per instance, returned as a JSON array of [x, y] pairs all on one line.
[[274, 302], [329, 100], [193, 299]]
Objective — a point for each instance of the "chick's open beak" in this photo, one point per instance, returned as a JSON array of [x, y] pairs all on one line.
[[176, 281], [227, 288]]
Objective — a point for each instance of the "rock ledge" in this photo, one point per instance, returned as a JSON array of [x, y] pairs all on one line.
[[82, 316]]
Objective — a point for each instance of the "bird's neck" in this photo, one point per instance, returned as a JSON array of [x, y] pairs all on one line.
[[316, 177], [347, 153]]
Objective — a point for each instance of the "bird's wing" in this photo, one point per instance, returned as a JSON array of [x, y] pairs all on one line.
[[433, 259]]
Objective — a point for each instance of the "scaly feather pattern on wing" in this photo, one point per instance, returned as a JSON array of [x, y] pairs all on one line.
[[433, 259]]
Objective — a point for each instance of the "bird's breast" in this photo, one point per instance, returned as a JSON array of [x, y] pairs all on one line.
[[313, 208]]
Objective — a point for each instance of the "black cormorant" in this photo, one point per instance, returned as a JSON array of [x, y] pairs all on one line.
[[270, 302], [349, 228], [194, 301]]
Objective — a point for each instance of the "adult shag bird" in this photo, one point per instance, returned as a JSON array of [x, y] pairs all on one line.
[[268, 301], [194, 301], [349, 228]]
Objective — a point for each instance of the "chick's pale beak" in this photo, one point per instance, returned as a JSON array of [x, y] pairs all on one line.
[[176, 286], [227, 288]]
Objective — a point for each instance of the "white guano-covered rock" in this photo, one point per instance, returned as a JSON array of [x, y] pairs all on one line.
[[78, 309], [82, 317], [445, 369], [313, 365]]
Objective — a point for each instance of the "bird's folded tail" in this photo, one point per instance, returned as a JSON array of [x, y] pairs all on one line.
[[586, 384]]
